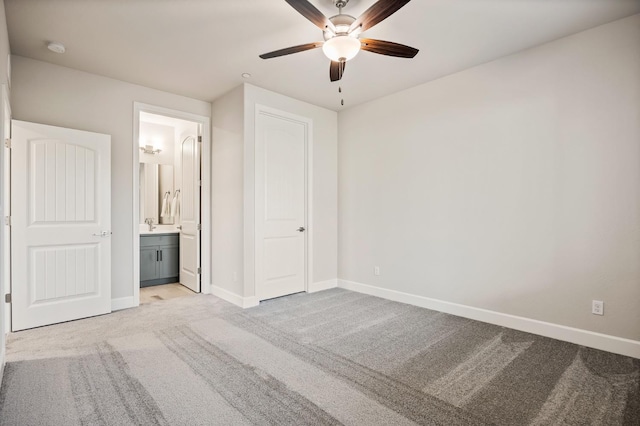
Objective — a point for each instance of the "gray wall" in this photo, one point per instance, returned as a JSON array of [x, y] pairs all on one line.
[[513, 186], [58, 96]]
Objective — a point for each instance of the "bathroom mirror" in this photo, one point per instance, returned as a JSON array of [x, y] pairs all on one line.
[[156, 193]]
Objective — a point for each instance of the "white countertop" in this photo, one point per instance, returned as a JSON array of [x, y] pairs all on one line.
[[159, 229]]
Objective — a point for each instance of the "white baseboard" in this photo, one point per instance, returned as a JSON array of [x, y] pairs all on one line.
[[322, 285], [243, 302], [122, 303], [578, 336]]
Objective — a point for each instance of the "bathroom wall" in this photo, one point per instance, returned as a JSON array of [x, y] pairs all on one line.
[[164, 135]]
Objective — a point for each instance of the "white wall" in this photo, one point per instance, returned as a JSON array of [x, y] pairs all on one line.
[[513, 186], [50, 94], [4, 74], [227, 170], [233, 123]]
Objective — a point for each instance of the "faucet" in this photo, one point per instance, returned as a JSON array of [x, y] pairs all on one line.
[[149, 221]]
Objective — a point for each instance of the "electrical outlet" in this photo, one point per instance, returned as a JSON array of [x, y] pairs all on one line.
[[376, 270], [597, 307]]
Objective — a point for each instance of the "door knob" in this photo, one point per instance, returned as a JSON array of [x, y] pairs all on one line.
[[301, 229], [103, 234]]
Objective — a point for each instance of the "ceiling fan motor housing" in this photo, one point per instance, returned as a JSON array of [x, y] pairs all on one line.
[[342, 23]]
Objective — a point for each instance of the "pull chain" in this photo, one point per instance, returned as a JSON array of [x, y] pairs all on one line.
[[341, 70]]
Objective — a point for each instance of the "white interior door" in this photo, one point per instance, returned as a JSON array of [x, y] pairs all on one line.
[[280, 204], [190, 214], [60, 224]]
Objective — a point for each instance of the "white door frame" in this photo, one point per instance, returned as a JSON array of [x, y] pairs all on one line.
[[205, 200], [5, 230], [259, 180]]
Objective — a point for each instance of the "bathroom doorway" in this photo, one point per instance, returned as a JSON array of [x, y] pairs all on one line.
[[171, 201]]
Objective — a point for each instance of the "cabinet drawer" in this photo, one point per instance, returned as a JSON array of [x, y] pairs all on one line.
[[159, 240]]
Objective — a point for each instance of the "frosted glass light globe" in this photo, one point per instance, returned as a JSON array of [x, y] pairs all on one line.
[[341, 47]]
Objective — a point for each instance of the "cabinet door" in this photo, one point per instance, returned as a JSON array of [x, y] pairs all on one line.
[[170, 264], [148, 263]]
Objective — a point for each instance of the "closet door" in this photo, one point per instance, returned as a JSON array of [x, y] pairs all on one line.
[[281, 199]]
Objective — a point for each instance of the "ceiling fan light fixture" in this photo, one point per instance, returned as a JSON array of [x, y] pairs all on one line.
[[341, 48], [56, 47]]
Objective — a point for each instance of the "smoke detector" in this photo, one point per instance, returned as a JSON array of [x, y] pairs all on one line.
[[56, 47]]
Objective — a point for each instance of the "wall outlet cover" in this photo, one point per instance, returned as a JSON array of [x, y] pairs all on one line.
[[597, 307]]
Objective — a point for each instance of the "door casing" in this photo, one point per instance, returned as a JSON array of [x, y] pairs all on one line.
[[204, 123]]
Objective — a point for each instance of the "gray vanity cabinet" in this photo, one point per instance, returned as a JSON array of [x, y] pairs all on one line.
[[159, 259]]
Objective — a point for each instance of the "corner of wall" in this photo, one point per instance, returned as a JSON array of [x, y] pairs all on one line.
[[241, 301]]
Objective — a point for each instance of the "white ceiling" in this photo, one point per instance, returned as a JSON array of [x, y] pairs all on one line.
[[200, 48]]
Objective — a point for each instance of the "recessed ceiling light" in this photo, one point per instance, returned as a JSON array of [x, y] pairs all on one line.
[[246, 75], [56, 47]]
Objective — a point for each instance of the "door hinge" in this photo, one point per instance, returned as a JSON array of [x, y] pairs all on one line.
[[7, 298], [199, 227], [199, 271], [7, 143], [199, 183], [7, 220], [199, 138]]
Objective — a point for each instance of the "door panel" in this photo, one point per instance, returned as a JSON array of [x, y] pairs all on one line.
[[61, 221], [169, 265], [280, 205], [148, 263], [190, 214]]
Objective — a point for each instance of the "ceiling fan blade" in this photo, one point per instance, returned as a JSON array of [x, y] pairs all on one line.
[[388, 48], [292, 49], [377, 13], [310, 12], [336, 70]]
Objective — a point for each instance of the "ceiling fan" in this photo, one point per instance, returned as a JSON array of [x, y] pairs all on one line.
[[341, 33]]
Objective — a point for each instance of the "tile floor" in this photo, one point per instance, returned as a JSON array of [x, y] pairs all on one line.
[[163, 292]]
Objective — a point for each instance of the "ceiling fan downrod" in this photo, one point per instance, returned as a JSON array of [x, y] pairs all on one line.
[[340, 4]]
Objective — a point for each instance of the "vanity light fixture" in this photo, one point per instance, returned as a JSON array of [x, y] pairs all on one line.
[[150, 145], [149, 149]]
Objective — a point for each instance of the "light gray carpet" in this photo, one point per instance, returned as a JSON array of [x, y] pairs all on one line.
[[334, 357]]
